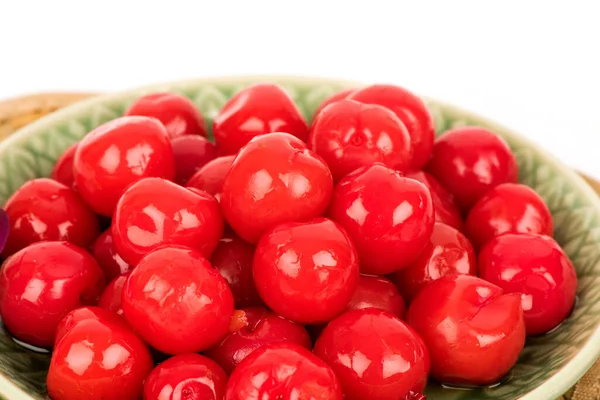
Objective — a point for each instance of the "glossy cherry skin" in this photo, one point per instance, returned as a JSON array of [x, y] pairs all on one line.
[[444, 204], [508, 208], [273, 180], [63, 169], [233, 258], [470, 161], [43, 209], [177, 301], [177, 113], [258, 328], [105, 253], [388, 217], [282, 371], [256, 110], [99, 359], [154, 212], [411, 110], [186, 377], [473, 330], [42, 283], [306, 271], [349, 135], [535, 267], [115, 155], [341, 95], [191, 153], [374, 355], [377, 292], [112, 297], [211, 176], [78, 315], [448, 252]]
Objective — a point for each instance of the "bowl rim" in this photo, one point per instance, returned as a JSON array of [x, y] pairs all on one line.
[[555, 386]]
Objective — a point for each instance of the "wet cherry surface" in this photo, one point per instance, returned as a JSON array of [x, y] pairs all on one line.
[[42, 283], [74, 317], [374, 355], [211, 176], [377, 292], [535, 267], [341, 95], [63, 169], [191, 153], [389, 231], [105, 253], [112, 296]]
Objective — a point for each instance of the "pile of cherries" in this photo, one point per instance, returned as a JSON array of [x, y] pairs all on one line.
[[354, 258]]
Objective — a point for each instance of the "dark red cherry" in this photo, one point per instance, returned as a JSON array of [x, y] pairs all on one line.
[[191, 153]]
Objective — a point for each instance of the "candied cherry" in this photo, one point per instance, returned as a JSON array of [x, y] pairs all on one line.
[[349, 135], [284, 371], [99, 359], [112, 296], [186, 376], [46, 210], [448, 252], [473, 329], [115, 155], [74, 317], [306, 271], [469, 161], [374, 355], [274, 179], [177, 301], [255, 328], [256, 110], [444, 204], [341, 95], [536, 268], [411, 110], [154, 212], [177, 113], [105, 253], [63, 169], [211, 176], [233, 258], [377, 292], [42, 283], [191, 153], [388, 217], [508, 208]]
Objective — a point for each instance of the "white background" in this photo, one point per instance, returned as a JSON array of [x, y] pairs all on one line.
[[533, 66]]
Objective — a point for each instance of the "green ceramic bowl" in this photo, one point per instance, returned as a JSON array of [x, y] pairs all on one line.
[[548, 365]]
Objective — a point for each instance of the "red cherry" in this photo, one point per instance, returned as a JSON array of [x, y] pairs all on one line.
[[282, 371], [470, 161], [42, 283], [388, 217], [211, 176], [256, 110], [43, 209], [177, 113], [349, 135], [106, 255], [99, 359], [111, 298], [63, 169], [115, 155], [535, 267], [274, 179], [306, 272], [474, 332], [411, 110], [155, 212], [377, 292], [191, 153], [233, 259], [341, 95], [444, 205], [374, 354], [258, 328], [177, 301], [448, 252], [186, 376], [74, 317], [508, 208]]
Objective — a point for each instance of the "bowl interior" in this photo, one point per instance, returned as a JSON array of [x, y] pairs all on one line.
[[548, 366]]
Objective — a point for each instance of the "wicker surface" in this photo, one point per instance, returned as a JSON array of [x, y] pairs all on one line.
[[18, 112]]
